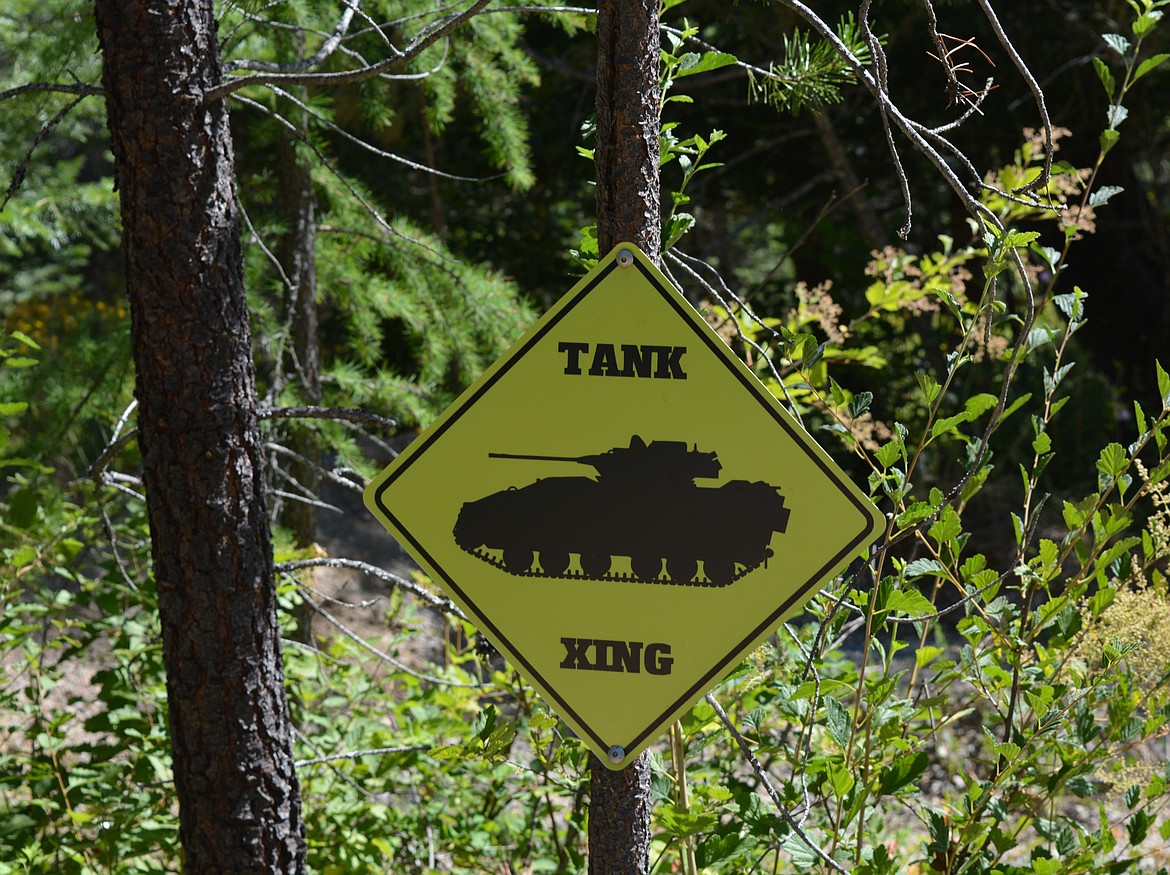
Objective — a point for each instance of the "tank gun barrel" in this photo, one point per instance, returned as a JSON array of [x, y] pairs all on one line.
[[582, 460]]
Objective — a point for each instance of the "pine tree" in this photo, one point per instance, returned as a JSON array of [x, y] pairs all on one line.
[[202, 458]]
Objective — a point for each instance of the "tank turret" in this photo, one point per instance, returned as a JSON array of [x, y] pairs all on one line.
[[643, 510], [658, 460]]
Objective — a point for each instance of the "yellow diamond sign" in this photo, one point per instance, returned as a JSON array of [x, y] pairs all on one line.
[[622, 508]]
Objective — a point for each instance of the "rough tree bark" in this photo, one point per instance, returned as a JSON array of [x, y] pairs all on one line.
[[628, 210], [239, 800]]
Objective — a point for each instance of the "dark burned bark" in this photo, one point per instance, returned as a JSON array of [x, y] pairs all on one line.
[[628, 210], [626, 156], [239, 801]]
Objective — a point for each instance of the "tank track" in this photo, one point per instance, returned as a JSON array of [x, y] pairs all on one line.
[[661, 580]]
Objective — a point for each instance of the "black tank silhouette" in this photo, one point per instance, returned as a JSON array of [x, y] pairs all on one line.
[[643, 504]]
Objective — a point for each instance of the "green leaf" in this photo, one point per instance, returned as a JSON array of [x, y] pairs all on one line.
[[924, 655], [1046, 866], [1103, 194], [676, 227], [888, 454], [1042, 444], [1072, 304], [859, 403], [902, 772], [1018, 239], [11, 408], [1117, 42], [923, 567], [928, 384], [32, 344], [1108, 140], [1106, 77], [945, 425], [692, 63], [716, 849], [839, 721], [841, 780], [22, 508], [947, 527], [1146, 23], [1149, 64], [1015, 405], [910, 602], [689, 822], [920, 510], [814, 355], [1112, 461], [1163, 385], [802, 856], [979, 404]]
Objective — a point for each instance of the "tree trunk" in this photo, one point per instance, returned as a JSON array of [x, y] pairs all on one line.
[[239, 800], [628, 210], [297, 253], [867, 217]]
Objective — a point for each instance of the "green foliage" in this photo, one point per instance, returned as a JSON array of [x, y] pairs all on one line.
[[990, 695], [811, 73], [396, 767]]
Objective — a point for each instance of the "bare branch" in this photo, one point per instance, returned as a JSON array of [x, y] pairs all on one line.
[[386, 657], [422, 42], [952, 78], [80, 89], [353, 755], [438, 602], [746, 750], [327, 48], [115, 446], [1037, 94], [346, 414], [328, 474], [908, 128]]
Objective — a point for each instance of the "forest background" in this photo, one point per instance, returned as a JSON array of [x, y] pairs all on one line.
[[1011, 660]]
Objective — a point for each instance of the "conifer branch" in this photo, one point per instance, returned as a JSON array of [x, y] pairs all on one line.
[[22, 169], [358, 141], [422, 42], [374, 214]]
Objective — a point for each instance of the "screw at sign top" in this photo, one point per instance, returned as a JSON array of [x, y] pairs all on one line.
[[624, 259], [617, 754]]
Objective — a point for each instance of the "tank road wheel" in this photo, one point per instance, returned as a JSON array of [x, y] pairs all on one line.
[[719, 571], [517, 560], [646, 567], [681, 569], [554, 562], [594, 564]]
